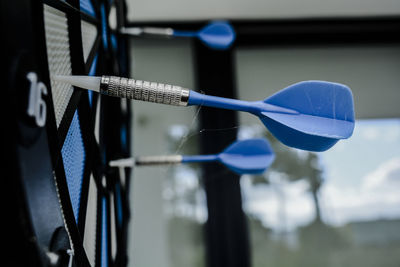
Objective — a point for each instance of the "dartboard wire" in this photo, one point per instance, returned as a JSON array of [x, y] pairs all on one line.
[[77, 68], [102, 147], [107, 144], [101, 178], [95, 48], [87, 137], [65, 6], [94, 161], [92, 19], [99, 175], [121, 218], [72, 230], [68, 215], [63, 216], [68, 115], [93, 52], [74, 19], [88, 18], [102, 195], [51, 128], [99, 214], [122, 231], [87, 113]]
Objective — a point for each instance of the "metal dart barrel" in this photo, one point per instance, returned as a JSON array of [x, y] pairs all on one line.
[[157, 160], [144, 91], [147, 160], [136, 31]]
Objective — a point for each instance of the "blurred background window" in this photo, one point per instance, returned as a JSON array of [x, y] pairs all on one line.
[[168, 202], [336, 208]]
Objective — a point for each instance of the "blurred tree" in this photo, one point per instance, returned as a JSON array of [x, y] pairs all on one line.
[[294, 165], [314, 177], [185, 237], [316, 244], [185, 232]]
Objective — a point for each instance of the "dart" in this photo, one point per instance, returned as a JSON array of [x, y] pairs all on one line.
[[309, 115], [216, 35], [252, 156]]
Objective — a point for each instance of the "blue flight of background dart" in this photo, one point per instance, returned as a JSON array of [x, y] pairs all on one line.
[[251, 156], [217, 35]]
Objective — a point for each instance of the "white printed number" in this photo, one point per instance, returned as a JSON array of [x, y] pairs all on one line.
[[36, 104]]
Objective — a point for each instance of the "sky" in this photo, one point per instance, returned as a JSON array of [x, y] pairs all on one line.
[[363, 174], [361, 182]]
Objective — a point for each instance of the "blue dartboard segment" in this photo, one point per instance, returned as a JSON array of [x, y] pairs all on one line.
[[87, 7], [73, 155]]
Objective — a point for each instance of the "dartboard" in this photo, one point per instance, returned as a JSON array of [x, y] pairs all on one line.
[[65, 206]]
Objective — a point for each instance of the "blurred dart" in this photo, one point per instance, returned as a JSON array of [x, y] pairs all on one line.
[[252, 156], [309, 115], [216, 35]]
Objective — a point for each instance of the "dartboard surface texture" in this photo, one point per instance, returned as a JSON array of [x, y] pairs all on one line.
[[62, 204]]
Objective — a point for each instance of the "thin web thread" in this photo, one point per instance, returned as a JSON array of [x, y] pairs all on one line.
[[168, 170], [188, 135]]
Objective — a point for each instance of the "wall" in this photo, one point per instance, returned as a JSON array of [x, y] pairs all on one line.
[[167, 61], [183, 10], [372, 72]]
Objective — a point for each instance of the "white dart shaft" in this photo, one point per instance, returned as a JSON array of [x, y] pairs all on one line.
[[86, 82]]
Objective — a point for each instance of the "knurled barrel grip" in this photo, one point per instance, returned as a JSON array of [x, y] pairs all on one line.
[[156, 160], [144, 91]]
